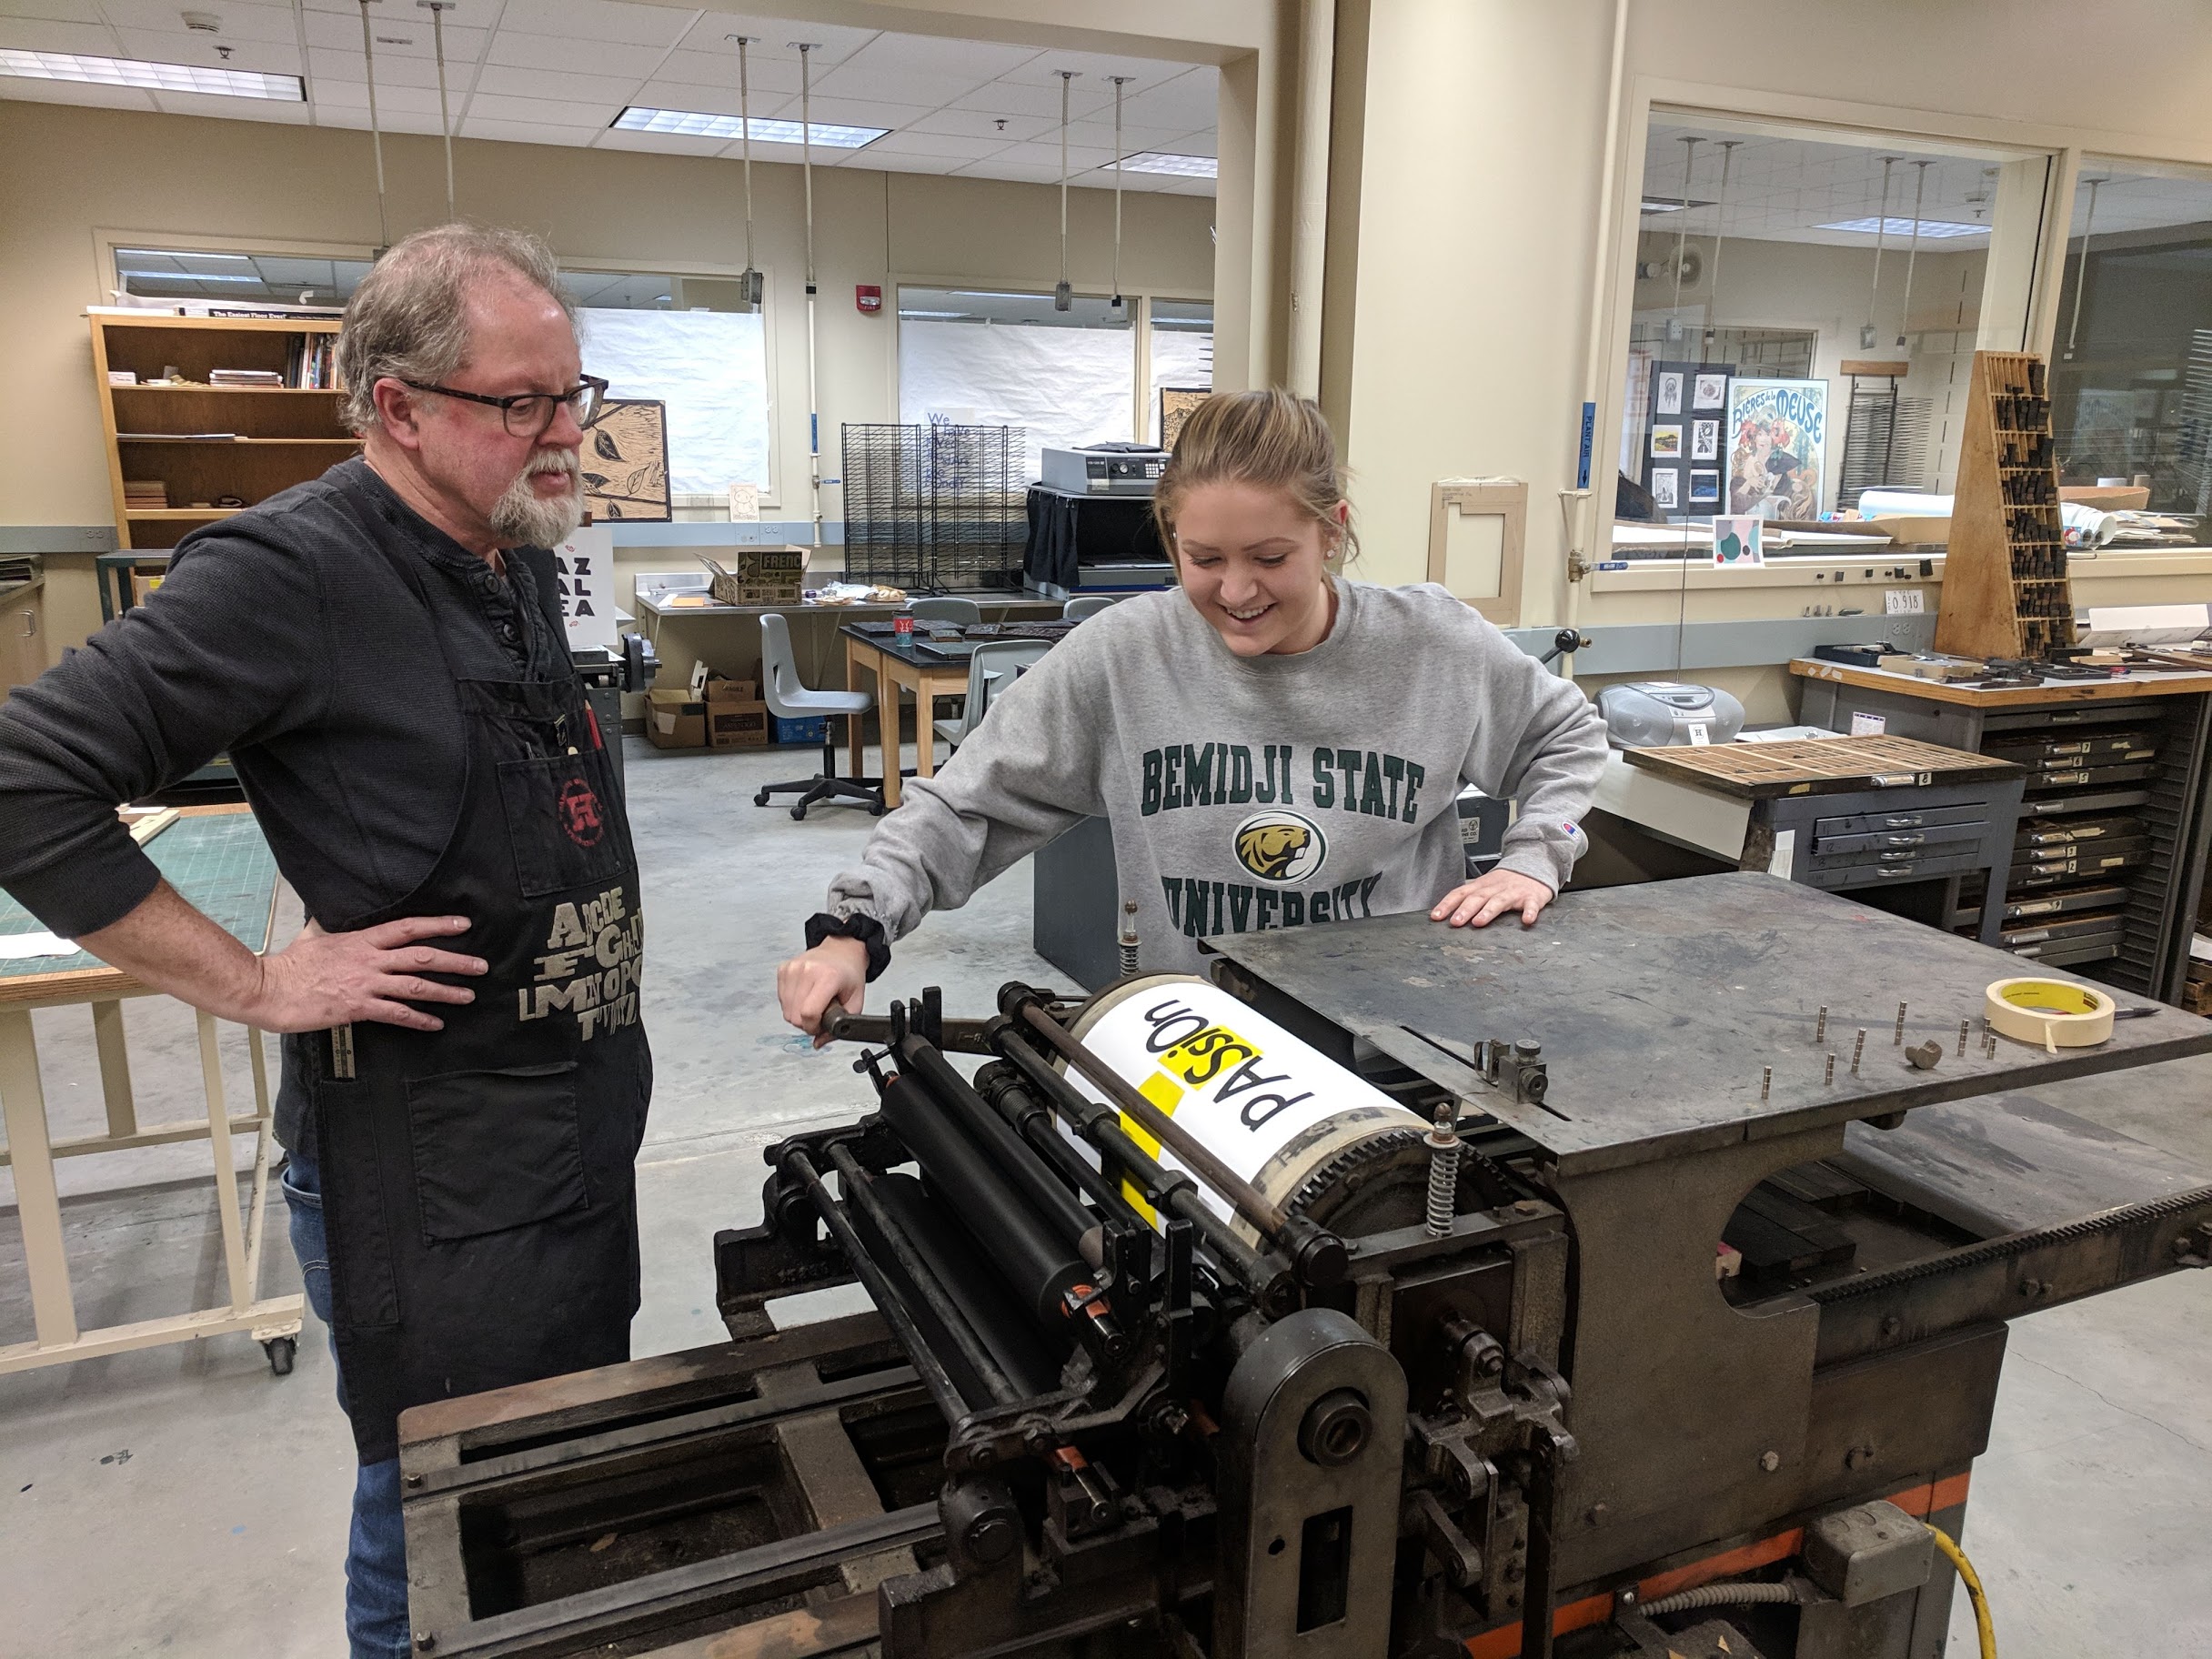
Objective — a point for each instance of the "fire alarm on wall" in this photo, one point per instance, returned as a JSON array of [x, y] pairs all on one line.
[[868, 297]]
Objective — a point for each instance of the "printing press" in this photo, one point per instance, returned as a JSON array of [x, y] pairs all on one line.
[[1634, 1283]]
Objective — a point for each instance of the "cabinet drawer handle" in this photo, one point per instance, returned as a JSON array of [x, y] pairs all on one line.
[[1905, 840], [1909, 822]]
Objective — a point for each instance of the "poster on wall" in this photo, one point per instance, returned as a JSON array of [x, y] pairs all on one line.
[[1679, 438], [1176, 402], [625, 460], [584, 571], [1777, 447]]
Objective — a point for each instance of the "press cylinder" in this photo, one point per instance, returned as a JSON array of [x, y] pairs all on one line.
[[1312, 1136], [1037, 1263]]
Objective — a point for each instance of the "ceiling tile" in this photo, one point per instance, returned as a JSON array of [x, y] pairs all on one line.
[[871, 160], [271, 57], [892, 85], [854, 112], [978, 124], [912, 143], [238, 22], [43, 34], [1044, 71], [391, 100], [1019, 172], [1191, 99], [711, 100], [56, 11], [1098, 135], [515, 49], [1005, 98], [401, 37], [505, 81], [542, 112], [1080, 158], [703, 68], [335, 66], [636, 25], [773, 37], [974, 61], [387, 120], [525, 132]]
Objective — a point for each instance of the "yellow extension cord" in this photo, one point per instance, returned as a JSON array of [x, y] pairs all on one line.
[[1972, 1581]]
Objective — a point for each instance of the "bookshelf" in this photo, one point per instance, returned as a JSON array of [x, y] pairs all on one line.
[[2005, 586], [200, 443]]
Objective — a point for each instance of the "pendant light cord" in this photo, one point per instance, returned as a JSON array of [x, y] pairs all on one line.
[[1118, 81], [1682, 228], [1720, 234], [745, 141], [2081, 271], [438, 10], [1881, 229], [1066, 78], [376, 134], [1912, 254]]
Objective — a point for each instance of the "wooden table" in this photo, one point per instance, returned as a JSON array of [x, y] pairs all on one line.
[[894, 666], [216, 858], [2137, 682]]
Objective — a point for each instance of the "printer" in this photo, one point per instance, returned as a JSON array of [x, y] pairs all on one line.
[[1105, 469]]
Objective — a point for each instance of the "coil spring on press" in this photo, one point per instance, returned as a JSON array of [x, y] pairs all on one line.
[[1127, 942], [1443, 1173]]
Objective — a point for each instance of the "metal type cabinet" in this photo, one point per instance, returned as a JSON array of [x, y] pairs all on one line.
[[2108, 862]]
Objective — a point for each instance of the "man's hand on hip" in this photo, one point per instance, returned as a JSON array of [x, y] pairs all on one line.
[[335, 978], [318, 979]]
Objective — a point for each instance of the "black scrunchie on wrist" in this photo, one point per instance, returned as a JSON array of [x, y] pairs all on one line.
[[821, 925]]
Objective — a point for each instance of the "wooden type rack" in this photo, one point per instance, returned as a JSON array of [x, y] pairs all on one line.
[[176, 451], [2005, 586], [1817, 765]]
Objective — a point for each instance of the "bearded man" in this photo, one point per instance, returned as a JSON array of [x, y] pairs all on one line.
[[381, 654]]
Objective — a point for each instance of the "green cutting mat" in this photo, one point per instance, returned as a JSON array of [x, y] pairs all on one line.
[[222, 866]]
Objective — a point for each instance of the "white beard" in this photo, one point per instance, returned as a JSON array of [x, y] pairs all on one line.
[[523, 518]]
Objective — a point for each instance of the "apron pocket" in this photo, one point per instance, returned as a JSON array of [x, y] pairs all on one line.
[[494, 1150], [562, 821]]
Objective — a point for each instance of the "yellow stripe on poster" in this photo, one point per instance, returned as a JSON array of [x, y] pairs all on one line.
[[1163, 1093]]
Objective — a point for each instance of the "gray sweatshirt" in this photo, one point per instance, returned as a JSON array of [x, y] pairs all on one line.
[[1248, 793]]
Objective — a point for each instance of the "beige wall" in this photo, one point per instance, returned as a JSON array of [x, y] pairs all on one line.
[[1479, 167], [72, 174]]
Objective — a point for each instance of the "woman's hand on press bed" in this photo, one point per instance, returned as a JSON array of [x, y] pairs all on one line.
[[832, 974], [1476, 903]]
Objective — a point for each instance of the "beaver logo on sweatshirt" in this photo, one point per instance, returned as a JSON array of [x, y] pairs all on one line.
[[1280, 846]]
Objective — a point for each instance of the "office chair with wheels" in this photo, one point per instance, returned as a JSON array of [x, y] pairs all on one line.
[[788, 698], [990, 671], [1087, 605], [963, 611]]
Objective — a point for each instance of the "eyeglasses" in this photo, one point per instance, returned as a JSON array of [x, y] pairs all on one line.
[[530, 414]]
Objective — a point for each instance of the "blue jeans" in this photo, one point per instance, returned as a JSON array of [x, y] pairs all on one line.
[[376, 1554]]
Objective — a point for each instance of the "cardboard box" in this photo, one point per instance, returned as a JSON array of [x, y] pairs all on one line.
[[675, 720], [1905, 530], [758, 576], [721, 690], [737, 725]]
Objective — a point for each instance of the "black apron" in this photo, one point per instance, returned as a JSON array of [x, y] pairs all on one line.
[[477, 1181]]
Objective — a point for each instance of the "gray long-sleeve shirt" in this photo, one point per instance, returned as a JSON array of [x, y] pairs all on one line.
[[1251, 793]]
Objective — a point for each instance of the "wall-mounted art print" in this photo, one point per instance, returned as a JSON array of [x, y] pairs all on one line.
[[1666, 440], [1705, 439], [1669, 392], [1777, 447], [1176, 402], [625, 461], [1710, 392], [1663, 488], [1704, 488]]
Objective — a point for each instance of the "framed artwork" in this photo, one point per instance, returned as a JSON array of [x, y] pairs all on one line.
[[1663, 488], [1669, 392], [1736, 543], [626, 461], [1176, 402], [1777, 447], [1704, 488], [1705, 439], [1687, 404], [1666, 440], [1710, 392]]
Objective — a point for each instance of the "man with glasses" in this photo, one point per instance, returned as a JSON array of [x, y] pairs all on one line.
[[381, 654]]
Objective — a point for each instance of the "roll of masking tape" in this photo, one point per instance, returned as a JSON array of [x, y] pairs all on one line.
[[2055, 1013]]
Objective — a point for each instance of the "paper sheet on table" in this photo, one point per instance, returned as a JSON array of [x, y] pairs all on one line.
[[15, 946]]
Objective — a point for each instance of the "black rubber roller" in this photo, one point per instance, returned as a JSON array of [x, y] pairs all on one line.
[[1037, 1263]]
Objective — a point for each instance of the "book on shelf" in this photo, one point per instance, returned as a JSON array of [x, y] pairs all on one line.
[[312, 364], [143, 495], [243, 376]]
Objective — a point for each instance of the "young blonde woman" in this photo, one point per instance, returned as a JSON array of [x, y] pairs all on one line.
[[1275, 746]]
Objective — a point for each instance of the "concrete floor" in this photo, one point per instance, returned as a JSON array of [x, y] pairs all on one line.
[[184, 1501]]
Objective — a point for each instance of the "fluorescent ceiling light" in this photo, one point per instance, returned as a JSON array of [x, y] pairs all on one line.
[[163, 253], [1930, 229], [940, 314], [154, 78], [1670, 204], [1161, 161], [698, 123], [193, 277]]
